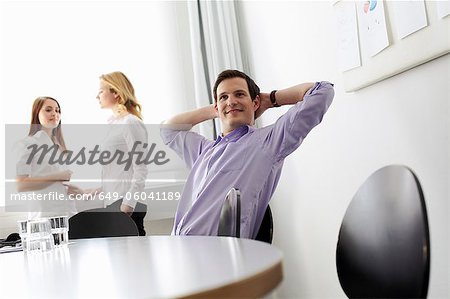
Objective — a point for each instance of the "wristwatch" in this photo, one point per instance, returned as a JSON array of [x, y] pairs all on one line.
[[273, 99]]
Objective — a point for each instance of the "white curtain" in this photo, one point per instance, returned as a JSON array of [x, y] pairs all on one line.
[[215, 47]]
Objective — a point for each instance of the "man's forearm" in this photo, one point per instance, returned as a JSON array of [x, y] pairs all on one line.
[[292, 95], [193, 117], [287, 96]]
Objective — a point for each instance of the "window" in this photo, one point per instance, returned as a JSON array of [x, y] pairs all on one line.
[[60, 48]]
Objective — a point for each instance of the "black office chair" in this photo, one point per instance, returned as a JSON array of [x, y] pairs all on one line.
[[230, 215], [99, 223], [383, 250], [265, 232], [229, 223]]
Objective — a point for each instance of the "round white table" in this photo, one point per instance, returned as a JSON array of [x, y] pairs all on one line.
[[144, 267]]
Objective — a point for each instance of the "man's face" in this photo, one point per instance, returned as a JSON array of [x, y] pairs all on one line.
[[234, 104]]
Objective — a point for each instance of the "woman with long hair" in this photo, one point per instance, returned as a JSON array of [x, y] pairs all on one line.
[[127, 132], [34, 173]]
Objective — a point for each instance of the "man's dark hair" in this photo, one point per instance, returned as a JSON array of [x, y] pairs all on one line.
[[230, 74]]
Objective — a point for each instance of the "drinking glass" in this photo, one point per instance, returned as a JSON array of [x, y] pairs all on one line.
[[60, 230], [39, 235]]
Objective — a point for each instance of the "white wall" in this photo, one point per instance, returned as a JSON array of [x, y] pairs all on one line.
[[402, 120]]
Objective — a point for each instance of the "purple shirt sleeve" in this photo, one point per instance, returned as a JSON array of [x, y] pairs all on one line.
[[291, 128], [188, 145]]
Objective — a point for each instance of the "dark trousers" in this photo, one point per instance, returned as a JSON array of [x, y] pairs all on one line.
[[138, 214]]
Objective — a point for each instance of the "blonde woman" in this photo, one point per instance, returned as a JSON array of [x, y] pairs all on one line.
[[127, 132]]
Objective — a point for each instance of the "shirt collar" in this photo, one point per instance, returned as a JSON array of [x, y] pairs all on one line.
[[111, 119], [114, 119], [42, 137], [234, 135]]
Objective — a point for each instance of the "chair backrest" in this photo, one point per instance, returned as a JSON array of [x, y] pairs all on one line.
[[230, 215], [230, 219], [383, 250], [265, 232], [98, 223]]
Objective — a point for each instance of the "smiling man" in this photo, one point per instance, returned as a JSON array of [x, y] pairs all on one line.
[[244, 157]]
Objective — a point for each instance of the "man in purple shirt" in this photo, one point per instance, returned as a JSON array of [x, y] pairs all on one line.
[[244, 157]]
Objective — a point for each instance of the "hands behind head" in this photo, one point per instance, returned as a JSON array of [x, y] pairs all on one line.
[[265, 104]]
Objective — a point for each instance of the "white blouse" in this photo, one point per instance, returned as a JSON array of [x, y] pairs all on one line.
[[56, 202], [118, 182]]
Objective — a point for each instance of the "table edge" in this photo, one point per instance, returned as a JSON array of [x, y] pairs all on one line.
[[252, 287]]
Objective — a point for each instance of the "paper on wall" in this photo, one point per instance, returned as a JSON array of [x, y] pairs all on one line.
[[443, 8], [410, 16], [347, 36], [372, 27]]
